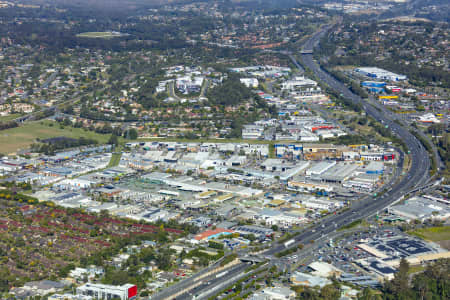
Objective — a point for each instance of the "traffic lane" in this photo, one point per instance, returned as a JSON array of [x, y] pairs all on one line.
[[362, 209], [179, 286], [212, 282]]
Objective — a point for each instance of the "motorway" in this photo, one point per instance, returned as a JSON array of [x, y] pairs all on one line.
[[211, 286], [416, 176]]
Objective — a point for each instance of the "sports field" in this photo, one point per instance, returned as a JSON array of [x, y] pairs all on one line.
[[21, 137]]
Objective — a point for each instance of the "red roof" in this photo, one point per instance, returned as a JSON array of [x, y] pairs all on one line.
[[208, 233]]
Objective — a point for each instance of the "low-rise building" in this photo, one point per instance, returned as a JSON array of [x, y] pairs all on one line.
[[106, 292], [309, 280]]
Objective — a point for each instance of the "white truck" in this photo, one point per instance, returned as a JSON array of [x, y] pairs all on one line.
[[288, 243]]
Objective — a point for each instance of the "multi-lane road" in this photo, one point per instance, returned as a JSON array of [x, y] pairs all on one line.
[[416, 176]]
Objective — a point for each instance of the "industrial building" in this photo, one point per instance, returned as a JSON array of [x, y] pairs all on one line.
[[304, 279], [258, 231], [378, 73], [422, 208]]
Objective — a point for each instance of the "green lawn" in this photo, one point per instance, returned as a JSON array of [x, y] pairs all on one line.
[[434, 234], [103, 35], [354, 224], [23, 136], [205, 140], [9, 117], [115, 159], [415, 269]]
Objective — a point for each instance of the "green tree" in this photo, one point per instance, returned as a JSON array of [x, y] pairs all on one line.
[[113, 140], [131, 134]]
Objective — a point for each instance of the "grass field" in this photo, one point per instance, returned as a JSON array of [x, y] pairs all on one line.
[[21, 137], [9, 117], [435, 234], [204, 140], [416, 269], [101, 35], [115, 159]]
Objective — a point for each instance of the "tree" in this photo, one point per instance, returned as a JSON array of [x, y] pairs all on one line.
[[231, 92], [330, 291], [368, 294], [399, 286], [113, 140], [104, 214], [163, 260], [131, 134]]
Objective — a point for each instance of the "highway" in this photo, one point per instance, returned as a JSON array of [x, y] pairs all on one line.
[[214, 284], [416, 176]]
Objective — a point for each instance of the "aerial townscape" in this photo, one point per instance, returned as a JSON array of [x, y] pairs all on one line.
[[224, 149]]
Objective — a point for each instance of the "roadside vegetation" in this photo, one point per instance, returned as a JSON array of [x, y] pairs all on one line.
[[434, 234]]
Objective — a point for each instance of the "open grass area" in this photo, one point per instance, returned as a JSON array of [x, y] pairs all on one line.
[[101, 35], [354, 224], [204, 140], [21, 137], [115, 159], [9, 117], [416, 269], [435, 234]]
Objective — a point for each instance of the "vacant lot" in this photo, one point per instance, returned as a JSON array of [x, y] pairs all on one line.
[[9, 117], [21, 137], [102, 35], [435, 234]]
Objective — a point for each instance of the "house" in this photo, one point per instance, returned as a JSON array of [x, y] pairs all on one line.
[[250, 82], [37, 288]]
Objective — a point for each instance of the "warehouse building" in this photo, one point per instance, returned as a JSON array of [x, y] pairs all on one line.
[[421, 208], [380, 74], [320, 167], [338, 173]]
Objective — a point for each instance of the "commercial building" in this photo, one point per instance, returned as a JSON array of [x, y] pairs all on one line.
[[386, 254], [324, 269], [252, 132], [309, 280], [260, 232], [377, 84], [422, 208], [274, 293], [250, 82], [338, 173], [300, 83], [106, 292], [69, 297], [429, 118], [380, 74], [210, 234], [320, 167]]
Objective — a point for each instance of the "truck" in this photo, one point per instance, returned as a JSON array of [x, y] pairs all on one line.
[[288, 243], [221, 274]]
